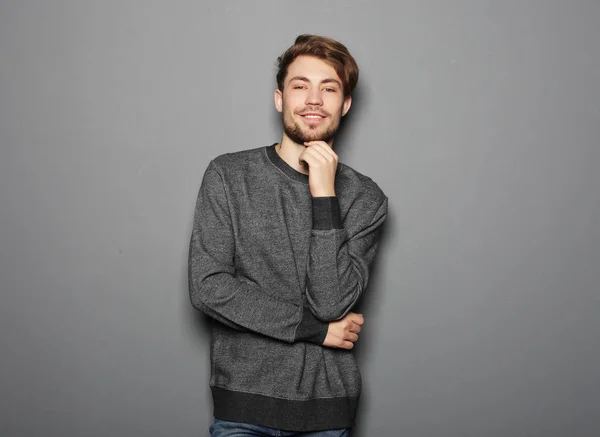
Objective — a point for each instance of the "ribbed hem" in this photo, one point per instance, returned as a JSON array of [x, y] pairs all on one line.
[[289, 415], [326, 213]]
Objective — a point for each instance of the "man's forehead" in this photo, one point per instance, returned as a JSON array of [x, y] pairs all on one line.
[[311, 68]]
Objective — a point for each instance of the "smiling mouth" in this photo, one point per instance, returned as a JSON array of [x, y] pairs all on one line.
[[316, 117]]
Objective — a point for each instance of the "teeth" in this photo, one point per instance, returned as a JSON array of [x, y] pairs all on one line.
[[313, 116]]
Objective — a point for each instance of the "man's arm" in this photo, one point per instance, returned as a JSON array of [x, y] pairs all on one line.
[[215, 288], [340, 257]]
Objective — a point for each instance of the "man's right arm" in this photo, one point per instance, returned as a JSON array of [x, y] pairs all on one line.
[[217, 291]]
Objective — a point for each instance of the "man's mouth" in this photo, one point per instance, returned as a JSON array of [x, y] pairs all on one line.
[[312, 116]]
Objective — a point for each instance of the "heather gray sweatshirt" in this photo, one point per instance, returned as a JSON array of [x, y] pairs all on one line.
[[272, 266]]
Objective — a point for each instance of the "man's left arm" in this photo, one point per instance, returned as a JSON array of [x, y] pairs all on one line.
[[340, 257], [340, 253]]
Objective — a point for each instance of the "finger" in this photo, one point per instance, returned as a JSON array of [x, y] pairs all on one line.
[[347, 345], [357, 318], [341, 343], [355, 328], [350, 336], [307, 158], [319, 153], [315, 142], [324, 148], [318, 144]]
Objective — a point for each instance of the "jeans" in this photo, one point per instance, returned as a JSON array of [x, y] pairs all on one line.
[[223, 428]]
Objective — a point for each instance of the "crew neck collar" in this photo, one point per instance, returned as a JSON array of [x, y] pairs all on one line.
[[287, 169]]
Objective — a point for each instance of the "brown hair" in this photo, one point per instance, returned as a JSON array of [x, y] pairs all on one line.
[[333, 52]]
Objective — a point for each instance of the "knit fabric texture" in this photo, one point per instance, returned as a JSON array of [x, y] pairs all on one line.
[[272, 266]]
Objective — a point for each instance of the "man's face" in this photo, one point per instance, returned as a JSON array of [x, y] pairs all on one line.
[[312, 102]]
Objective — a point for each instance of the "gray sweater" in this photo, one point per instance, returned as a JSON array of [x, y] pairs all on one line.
[[272, 266]]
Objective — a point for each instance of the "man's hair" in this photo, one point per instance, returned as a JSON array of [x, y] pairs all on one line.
[[329, 50]]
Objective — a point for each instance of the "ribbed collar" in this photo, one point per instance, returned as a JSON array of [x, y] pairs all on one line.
[[287, 169]]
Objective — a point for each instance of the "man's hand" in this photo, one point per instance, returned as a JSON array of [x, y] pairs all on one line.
[[322, 162], [343, 333]]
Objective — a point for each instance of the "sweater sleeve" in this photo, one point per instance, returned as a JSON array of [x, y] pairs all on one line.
[[227, 297], [340, 257]]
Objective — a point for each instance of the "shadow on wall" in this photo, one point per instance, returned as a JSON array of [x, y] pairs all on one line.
[[370, 304]]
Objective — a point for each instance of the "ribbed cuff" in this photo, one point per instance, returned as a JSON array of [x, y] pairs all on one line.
[[326, 213], [311, 329]]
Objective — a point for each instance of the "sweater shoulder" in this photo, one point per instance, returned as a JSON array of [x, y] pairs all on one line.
[[362, 186], [237, 159]]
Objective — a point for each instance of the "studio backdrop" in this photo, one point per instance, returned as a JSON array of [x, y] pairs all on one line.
[[479, 120]]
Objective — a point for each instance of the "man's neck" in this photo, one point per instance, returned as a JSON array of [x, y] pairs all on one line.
[[290, 151]]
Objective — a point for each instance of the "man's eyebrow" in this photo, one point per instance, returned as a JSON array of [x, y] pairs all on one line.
[[305, 79], [302, 78], [330, 80]]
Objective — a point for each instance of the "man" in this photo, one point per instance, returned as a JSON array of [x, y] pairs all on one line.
[[282, 243]]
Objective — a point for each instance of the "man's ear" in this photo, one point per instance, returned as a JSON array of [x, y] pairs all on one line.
[[346, 105], [278, 97]]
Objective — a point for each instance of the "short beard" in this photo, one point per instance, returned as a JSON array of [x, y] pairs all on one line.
[[294, 131]]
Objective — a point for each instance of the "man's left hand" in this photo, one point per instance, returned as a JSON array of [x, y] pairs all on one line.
[[322, 162]]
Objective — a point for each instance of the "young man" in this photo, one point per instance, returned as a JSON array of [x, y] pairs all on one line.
[[282, 243]]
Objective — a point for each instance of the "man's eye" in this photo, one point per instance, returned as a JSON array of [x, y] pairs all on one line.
[[330, 90], [298, 87]]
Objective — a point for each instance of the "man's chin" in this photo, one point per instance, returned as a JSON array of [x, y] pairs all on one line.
[[301, 137], [320, 136], [315, 139]]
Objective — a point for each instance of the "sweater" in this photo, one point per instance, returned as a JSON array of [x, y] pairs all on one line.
[[272, 266]]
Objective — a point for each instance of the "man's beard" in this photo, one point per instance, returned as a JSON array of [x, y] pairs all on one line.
[[295, 133]]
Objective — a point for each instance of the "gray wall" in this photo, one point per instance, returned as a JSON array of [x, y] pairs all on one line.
[[480, 120]]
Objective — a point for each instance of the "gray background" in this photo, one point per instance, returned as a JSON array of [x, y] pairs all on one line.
[[479, 119]]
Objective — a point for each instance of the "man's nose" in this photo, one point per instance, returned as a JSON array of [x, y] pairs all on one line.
[[314, 97]]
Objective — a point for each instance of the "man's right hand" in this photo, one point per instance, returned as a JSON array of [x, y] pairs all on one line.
[[343, 333]]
